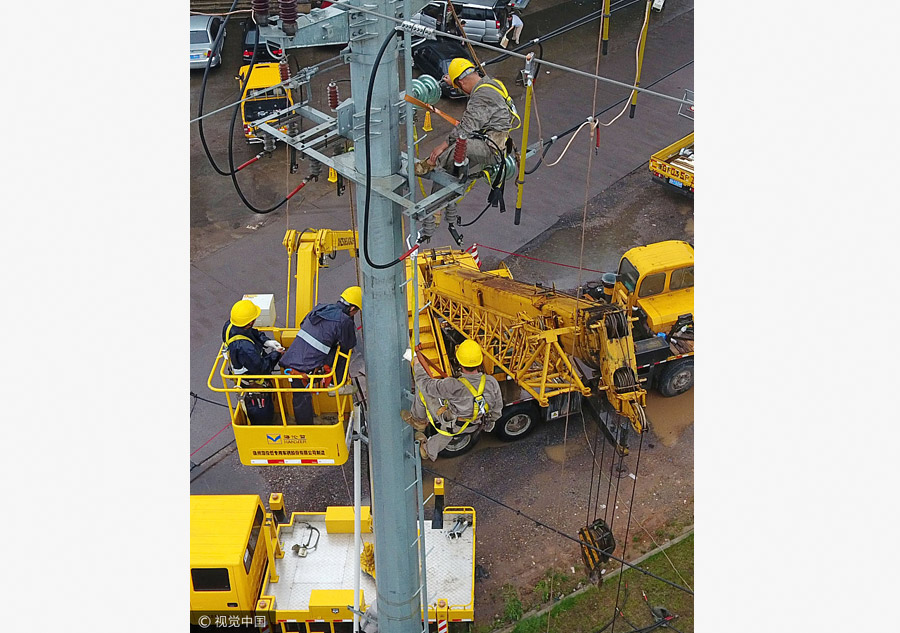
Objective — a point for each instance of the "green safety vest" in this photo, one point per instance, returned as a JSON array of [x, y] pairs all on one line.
[[479, 408]]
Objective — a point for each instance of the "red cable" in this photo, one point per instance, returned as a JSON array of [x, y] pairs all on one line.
[[545, 261], [212, 438]]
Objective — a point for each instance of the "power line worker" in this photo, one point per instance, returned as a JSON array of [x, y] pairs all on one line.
[[454, 405], [250, 352], [485, 124], [327, 327]]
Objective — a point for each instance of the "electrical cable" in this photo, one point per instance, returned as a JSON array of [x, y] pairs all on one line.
[[553, 529], [219, 36], [346, 7], [371, 87], [234, 171]]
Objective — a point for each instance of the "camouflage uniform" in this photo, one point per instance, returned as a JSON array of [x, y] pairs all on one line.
[[487, 113]]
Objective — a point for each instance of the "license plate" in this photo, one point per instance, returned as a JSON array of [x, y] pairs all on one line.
[[675, 182], [200, 56]]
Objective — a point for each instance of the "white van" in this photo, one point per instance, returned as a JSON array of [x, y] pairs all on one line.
[[484, 20]]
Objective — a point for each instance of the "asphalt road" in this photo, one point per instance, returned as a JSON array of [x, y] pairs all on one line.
[[234, 251]]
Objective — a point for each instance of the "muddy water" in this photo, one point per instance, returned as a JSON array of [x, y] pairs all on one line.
[[669, 417], [556, 453]]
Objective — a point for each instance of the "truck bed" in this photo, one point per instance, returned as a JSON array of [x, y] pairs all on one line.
[[333, 564]]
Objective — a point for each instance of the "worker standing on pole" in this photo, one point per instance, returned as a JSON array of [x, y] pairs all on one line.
[[454, 406], [326, 327], [484, 126]]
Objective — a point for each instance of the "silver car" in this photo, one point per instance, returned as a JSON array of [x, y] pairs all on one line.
[[204, 30]]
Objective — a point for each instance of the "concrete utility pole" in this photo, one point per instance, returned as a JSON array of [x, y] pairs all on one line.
[[385, 326]]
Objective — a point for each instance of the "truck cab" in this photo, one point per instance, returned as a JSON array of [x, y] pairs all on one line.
[[228, 554], [255, 108], [656, 283]]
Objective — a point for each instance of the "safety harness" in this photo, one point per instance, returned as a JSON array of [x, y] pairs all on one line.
[[479, 408], [231, 339]]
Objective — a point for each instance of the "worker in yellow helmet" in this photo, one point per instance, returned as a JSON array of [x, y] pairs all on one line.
[[485, 124], [251, 353], [453, 406], [327, 327]]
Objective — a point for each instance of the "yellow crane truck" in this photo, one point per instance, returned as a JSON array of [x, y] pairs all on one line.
[[273, 571], [548, 348], [673, 166]]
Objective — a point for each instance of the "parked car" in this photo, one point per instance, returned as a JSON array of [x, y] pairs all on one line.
[[484, 20], [204, 30], [433, 58], [265, 52]]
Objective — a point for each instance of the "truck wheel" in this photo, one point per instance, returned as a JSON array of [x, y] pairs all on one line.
[[517, 421], [676, 378], [461, 444]]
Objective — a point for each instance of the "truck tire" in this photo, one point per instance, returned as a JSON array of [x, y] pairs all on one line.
[[461, 444], [677, 378], [517, 421]]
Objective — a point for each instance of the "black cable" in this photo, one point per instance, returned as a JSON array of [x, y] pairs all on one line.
[[365, 248], [233, 173], [587, 520], [194, 395], [203, 461], [219, 37], [461, 224], [553, 529]]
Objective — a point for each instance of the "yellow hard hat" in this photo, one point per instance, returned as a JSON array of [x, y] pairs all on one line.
[[353, 296], [469, 354], [458, 67], [244, 312]]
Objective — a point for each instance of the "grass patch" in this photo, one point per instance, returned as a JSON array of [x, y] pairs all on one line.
[[512, 604], [588, 611]]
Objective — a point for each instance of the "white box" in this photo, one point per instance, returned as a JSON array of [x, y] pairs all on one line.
[[266, 304]]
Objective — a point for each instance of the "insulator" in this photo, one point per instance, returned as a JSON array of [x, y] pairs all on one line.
[[426, 88], [268, 143], [260, 11], [428, 226], [333, 96], [284, 70], [315, 169], [459, 152], [288, 12], [293, 128], [451, 214]]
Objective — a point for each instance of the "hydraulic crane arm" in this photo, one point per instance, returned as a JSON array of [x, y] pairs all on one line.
[[530, 332]]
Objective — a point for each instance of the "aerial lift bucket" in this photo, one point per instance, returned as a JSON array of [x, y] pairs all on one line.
[[284, 443]]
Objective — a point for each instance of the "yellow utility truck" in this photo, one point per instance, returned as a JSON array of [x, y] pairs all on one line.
[[257, 105], [548, 349], [275, 571], [673, 166]]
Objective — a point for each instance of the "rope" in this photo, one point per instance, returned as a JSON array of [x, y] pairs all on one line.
[[536, 259], [640, 525], [637, 466]]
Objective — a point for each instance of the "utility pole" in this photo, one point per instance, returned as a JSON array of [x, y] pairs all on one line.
[[393, 456], [385, 324]]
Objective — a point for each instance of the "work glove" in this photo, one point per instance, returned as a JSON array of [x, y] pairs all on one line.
[[407, 355], [273, 346]]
